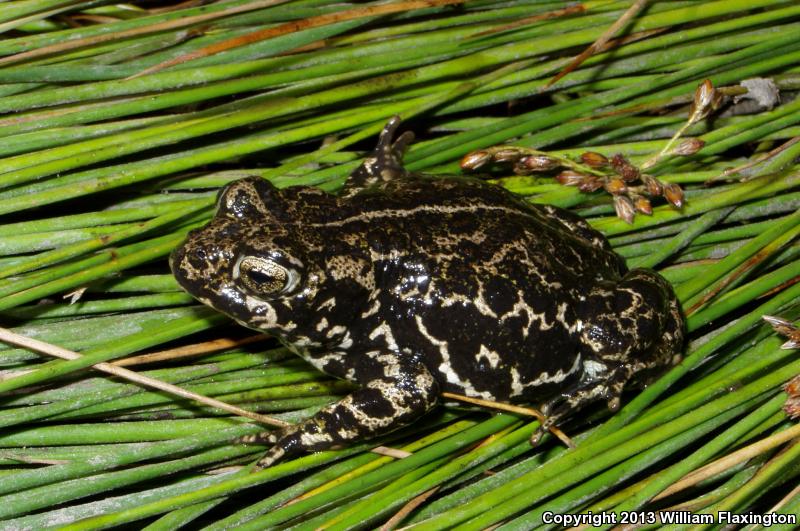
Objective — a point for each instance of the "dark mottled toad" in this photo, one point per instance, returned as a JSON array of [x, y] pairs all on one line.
[[410, 285]]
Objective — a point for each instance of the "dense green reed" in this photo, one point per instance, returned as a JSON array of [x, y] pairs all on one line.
[[103, 172]]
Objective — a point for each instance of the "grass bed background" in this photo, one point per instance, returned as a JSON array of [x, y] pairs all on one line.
[[118, 125]]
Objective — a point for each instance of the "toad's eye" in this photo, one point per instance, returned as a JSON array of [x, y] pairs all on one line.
[[263, 277]]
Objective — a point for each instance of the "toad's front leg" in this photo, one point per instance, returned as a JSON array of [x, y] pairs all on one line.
[[399, 392]]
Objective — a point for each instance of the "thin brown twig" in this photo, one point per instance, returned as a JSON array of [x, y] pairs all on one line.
[[32, 460], [8, 375], [404, 511], [764, 157], [527, 411], [783, 501], [593, 48], [94, 19], [53, 350], [46, 348], [780, 287], [391, 452], [631, 38], [744, 268], [60, 111], [578, 8], [294, 26], [608, 46], [415, 502], [612, 44], [197, 349], [154, 28], [730, 460], [176, 7]]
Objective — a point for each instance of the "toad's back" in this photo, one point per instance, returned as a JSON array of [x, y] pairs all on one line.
[[477, 280]]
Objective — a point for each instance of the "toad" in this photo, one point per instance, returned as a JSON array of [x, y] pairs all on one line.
[[410, 285]]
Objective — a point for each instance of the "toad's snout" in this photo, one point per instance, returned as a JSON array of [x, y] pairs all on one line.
[[199, 260]]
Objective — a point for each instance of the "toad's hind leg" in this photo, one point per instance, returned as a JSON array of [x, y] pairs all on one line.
[[384, 163], [607, 384], [635, 321], [399, 392], [632, 330]]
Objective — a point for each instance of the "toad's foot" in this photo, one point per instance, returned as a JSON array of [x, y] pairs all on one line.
[[272, 456], [586, 391], [405, 391], [384, 164]]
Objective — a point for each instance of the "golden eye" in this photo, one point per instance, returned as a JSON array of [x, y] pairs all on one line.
[[262, 276]]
